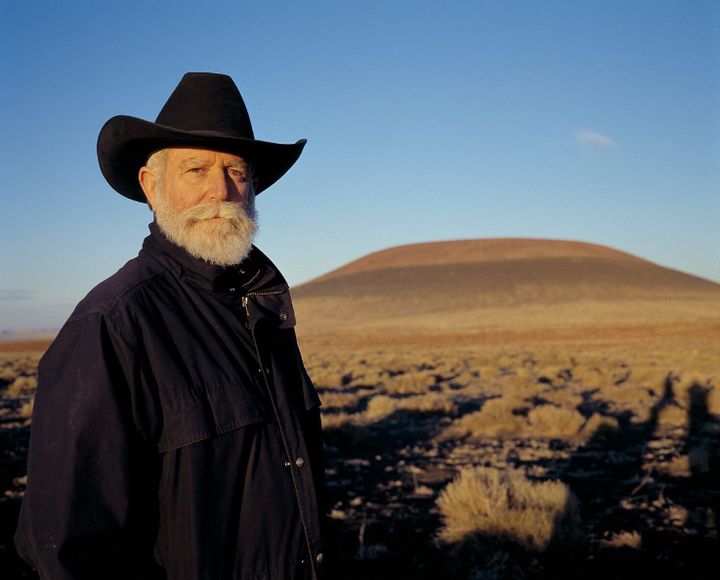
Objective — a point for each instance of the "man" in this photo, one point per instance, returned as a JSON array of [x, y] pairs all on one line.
[[176, 433]]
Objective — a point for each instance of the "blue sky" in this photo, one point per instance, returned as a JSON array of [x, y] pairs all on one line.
[[593, 121]]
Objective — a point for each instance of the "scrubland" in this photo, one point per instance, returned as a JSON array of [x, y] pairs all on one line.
[[18, 380], [527, 459]]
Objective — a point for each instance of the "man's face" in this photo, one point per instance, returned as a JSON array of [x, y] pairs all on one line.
[[204, 202]]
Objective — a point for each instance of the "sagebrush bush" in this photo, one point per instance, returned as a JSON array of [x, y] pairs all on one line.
[[495, 419], [562, 397], [22, 385], [326, 377], [630, 397], [381, 406], [411, 382], [339, 420], [339, 400], [26, 410], [7, 374], [491, 507], [623, 539], [556, 422]]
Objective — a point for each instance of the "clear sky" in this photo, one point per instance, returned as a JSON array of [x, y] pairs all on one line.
[[596, 121]]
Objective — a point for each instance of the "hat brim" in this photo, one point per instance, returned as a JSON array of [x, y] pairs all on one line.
[[125, 143]]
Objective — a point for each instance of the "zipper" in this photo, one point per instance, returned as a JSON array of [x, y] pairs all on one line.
[[268, 292], [304, 519], [244, 303], [245, 299]]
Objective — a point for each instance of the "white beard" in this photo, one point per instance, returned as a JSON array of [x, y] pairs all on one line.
[[220, 233]]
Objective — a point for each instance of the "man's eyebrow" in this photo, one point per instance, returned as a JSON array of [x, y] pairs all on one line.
[[238, 163]]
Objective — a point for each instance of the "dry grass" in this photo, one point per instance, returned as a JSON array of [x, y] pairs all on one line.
[[623, 539], [380, 407], [18, 373], [542, 393], [339, 400], [554, 422], [503, 417], [26, 410], [412, 382], [496, 419], [489, 505], [22, 385], [340, 420], [18, 382], [508, 397]]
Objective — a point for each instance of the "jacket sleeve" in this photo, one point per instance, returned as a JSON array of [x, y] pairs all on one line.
[[90, 509]]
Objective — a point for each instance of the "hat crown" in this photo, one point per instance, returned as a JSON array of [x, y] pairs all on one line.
[[207, 103]]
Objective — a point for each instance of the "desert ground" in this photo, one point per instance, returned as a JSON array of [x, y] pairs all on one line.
[[615, 451], [618, 447], [535, 411]]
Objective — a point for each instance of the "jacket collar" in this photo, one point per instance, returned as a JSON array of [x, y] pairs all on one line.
[[254, 274]]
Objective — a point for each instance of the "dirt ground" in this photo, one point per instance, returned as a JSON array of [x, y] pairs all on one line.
[[633, 432]]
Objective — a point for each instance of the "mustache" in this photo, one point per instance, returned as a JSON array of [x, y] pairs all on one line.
[[228, 210]]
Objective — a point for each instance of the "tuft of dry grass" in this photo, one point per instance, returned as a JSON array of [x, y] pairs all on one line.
[[495, 419], [382, 406], [623, 539], [22, 385], [413, 382], [556, 422], [340, 420], [561, 397], [26, 410], [7, 374], [493, 506], [504, 417], [339, 400], [676, 467]]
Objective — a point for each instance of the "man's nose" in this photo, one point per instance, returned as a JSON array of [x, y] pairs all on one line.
[[222, 188]]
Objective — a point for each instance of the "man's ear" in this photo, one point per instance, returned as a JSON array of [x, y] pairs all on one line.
[[148, 181]]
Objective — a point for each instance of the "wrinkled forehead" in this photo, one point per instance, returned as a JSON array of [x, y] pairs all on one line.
[[185, 155]]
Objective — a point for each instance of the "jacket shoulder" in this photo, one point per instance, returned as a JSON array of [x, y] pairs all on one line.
[[114, 293]]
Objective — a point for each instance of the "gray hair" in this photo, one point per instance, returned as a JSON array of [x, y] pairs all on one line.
[[156, 163]]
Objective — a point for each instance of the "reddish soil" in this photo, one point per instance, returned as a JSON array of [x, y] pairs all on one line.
[[25, 346]]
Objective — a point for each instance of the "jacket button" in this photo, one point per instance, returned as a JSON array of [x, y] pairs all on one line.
[[232, 289], [287, 464], [299, 462], [319, 558], [283, 317]]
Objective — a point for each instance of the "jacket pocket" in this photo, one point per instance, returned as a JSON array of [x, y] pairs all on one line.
[[208, 412]]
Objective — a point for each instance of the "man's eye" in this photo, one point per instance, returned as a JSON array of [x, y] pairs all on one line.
[[238, 174], [195, 170]]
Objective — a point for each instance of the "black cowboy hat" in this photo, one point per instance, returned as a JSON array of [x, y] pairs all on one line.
[[204, 111]]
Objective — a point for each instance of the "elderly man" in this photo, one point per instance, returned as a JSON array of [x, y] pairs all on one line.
[[176, 433]]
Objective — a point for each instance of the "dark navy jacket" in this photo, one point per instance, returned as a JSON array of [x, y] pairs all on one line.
[[176, 433]]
